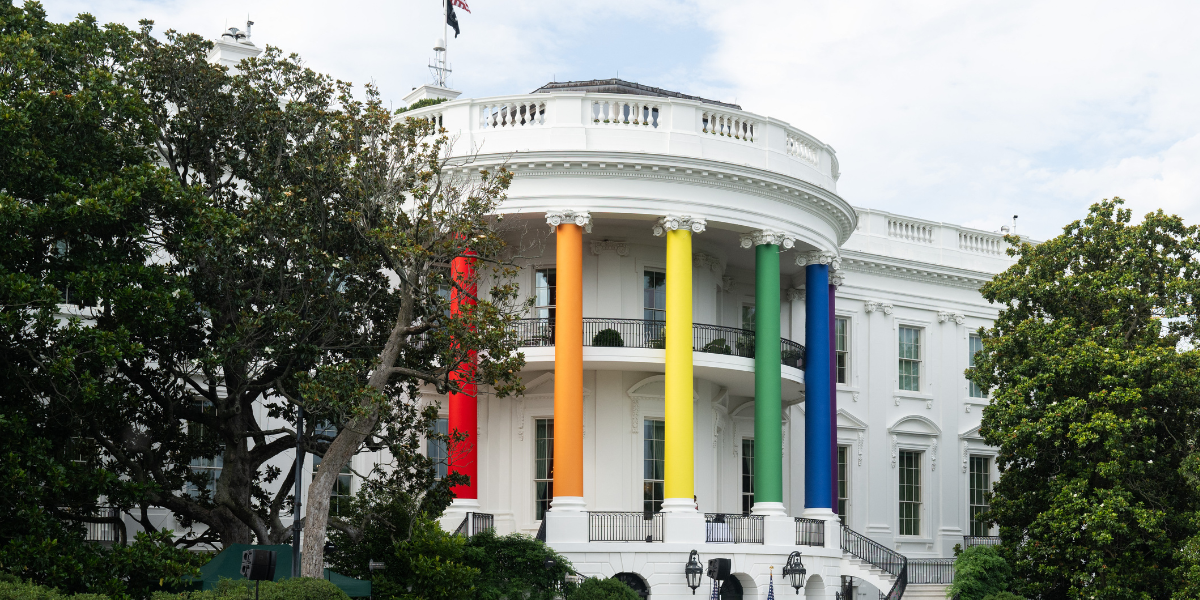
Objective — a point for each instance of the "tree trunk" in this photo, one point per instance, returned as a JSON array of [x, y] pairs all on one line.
[[316, 520]]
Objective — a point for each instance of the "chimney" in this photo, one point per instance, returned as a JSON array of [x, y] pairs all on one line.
[[233, 46]]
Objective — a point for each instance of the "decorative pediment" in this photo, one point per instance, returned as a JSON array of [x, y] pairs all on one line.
[[915, 425], [971, 434], [846, 420]]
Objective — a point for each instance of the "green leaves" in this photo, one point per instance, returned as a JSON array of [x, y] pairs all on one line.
[[1094, 408]]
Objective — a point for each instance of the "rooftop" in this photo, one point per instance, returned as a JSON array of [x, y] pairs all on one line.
[[620, 86]]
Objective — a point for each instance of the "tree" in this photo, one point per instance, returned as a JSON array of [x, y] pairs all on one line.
[[979, 573], [1095, 392], [230, 235]]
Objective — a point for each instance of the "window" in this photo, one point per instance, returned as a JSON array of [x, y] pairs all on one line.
[[910, 359], [545, 282], [974, 345], [435, 448], [747, 475], [748, 317], [981, 483], [843, 482], [910, 492], [842, 346], [653, 447], [543, 468], [207, 468], [339, 497], [654, 290]]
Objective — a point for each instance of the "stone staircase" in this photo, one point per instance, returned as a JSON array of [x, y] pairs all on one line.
[[886, 569]]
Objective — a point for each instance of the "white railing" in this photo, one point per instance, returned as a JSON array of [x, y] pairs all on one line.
[[626, 112], [912, 231], [986, 244], [731, 125], [801, 149], [520, 113]]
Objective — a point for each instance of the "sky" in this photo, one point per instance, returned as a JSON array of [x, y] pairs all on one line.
[[963, 112]]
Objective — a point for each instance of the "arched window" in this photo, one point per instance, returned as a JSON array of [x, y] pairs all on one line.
[[635, 582]]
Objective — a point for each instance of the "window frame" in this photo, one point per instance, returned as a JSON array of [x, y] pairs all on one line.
[[844, 482], [436, 451], [650, 484], [537, 307], [842, 362], [742, 315], [988, 461], [746, 475], [973, 390], [549, 472], [918, 512], [922, 383], [653, 309]]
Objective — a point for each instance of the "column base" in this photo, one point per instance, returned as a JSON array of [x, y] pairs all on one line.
[[567, 521], [771, 509], [683, 527], [833, 525], [457, 511], [779, 530], [679, 505]]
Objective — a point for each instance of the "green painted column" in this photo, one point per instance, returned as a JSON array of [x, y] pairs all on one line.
[[768, 420]]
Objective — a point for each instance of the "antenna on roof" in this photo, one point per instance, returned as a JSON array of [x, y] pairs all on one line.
[[439, 66]]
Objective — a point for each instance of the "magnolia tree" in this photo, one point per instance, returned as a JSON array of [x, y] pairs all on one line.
[[1095, 388], [239, 245]]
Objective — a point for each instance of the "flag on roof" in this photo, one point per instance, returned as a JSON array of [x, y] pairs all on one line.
[[452, 19], [461, 4]]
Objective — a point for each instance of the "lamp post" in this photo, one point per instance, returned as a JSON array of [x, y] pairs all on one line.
[[794, 571], [693, 571]]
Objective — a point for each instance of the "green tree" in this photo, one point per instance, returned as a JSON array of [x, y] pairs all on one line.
[[979, 572], [602, 589], [515, 566], [1094, 405]]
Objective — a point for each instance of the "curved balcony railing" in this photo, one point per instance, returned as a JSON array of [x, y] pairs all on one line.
[[641, 333]]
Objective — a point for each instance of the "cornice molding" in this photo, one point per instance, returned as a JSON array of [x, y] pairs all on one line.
[[886, 266], [777, 186]]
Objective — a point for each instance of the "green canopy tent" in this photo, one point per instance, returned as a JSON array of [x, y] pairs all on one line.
[[228, 565]]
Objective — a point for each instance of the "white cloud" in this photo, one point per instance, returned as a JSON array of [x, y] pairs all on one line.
[[967, 112]]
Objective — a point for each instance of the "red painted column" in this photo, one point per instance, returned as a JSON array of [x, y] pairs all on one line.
[[464, 406]]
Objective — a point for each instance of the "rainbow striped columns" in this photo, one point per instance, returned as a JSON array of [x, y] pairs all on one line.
[[679, 461], [818, 473], [835, 279], [464, 406], [568, 365], [768, 372]]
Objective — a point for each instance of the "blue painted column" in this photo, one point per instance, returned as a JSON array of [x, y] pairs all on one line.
[[818, 474]]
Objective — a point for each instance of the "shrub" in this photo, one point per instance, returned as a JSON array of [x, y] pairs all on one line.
[[300, 588], [24, 590], [979, 573], [717, 346], [514, 566], [608, 337], [602, 589]]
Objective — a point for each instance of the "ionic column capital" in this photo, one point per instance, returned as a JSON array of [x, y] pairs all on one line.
[[837, 278], [674, 222], [820, 257], [767, 236], [582, 218]]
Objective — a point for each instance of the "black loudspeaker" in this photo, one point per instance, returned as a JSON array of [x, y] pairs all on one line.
[[258, 565], [719, 568]]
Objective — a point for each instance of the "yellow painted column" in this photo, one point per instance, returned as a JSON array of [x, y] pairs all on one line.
[[679, 460]]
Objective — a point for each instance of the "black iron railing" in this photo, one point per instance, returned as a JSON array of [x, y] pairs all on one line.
[[733, 528], [641, 333], [980, 540], [880, 557], [931, 570], [102, 524], [625, 527], [810, 532], [474, 523]]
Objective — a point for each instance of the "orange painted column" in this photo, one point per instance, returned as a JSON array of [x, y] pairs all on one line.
[[568, 364]]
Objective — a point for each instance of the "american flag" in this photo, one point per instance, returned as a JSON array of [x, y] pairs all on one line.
[[771, 586], [716, 589], [460, 4]]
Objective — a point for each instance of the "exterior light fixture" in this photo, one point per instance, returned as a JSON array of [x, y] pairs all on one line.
[[693, 571], [794, 571]]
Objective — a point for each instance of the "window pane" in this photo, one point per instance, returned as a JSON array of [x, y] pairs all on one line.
[[748, 316], [980, 485], [653, 448], [545, 295], [842, 338], [843, 491], [975, 345], [654, 291], [910, 492], [747, 475], [543, 466], [436, 449]]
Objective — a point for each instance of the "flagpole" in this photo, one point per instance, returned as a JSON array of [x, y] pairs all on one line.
[[445, 41]]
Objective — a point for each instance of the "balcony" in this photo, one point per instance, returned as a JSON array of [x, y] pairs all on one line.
[[640, 333], [733, 528]]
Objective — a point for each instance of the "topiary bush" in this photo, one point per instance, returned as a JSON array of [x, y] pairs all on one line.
[[610, 338], [717, 346], [602, 589], [981, 573]]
